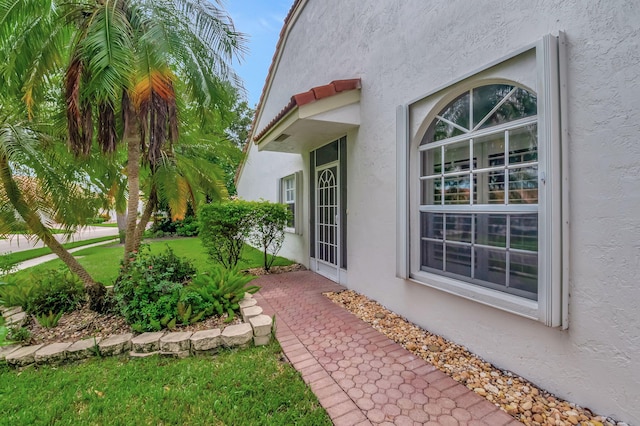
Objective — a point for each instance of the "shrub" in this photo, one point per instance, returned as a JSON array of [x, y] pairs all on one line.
[[19, 334], [267, 231], [220, 290], [224, 227], [148, 290], [51, 290], [188, 227], [7, 264], [49, 320]]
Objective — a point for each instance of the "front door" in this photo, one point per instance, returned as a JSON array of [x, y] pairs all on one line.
[[327, 221]]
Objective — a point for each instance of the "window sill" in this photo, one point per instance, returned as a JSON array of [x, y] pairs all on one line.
[[496, 299]]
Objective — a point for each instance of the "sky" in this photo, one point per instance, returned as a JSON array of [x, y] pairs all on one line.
[[261, 21]]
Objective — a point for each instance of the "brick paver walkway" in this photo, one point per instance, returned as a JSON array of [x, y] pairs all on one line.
[[359, 375]]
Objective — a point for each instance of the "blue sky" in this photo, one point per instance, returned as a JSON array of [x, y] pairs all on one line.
[[261, 21]]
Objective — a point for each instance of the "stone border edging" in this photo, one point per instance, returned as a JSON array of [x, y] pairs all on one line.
[[257, 328]]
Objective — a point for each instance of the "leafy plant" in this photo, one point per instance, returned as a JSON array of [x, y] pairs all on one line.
[[19, 334], [54, 291], [13, 294], [7, 264], [224, 227], [222, 289], [267, 230], [148, 288], [49, 320]]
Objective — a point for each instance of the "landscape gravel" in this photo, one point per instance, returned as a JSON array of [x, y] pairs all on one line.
[[526, 402]]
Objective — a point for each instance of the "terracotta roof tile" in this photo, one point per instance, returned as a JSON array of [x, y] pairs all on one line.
[[310, 96]]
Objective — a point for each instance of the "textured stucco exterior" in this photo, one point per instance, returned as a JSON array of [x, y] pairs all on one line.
[[404, 49]]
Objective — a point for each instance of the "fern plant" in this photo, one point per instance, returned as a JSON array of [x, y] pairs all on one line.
[[222, 289], [49, 320]]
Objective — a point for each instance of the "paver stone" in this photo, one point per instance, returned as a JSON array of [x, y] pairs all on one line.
[[83, 349], [237, 335], [6, 350], [146, 342], [23, 356], [176, 342], [250, 312], [116, 345], [206, 340], [54, 354], [247, 303], [261, 325]]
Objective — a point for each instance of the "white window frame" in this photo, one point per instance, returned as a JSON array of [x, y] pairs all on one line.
[[412, 120], [292, 195]]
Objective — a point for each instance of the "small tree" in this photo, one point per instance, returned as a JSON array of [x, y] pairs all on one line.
[[224, 227], [267, 230]]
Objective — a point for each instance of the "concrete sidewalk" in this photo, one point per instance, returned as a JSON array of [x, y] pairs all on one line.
[[16, 242], [360, 376]]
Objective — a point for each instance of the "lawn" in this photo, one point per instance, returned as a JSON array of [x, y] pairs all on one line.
[[21, 256], [103, 262], [236, 387]]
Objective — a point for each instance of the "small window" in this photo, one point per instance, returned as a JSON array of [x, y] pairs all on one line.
[[289, 195]]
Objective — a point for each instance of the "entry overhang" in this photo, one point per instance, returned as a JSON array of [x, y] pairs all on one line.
[[313, 118]]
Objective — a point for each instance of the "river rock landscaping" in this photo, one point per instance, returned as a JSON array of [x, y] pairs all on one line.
[[513, 394]]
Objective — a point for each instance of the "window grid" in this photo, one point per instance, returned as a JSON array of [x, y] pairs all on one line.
[[466, 182]]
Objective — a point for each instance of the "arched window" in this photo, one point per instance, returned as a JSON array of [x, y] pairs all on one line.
[[478, 184]]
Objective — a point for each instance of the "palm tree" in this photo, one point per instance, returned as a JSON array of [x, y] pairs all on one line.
[[48, 187], [129, 56]]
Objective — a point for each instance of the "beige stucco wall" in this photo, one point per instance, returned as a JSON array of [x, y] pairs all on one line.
[[402, 49]]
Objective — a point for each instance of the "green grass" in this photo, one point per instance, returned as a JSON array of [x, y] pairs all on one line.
[[106, 225], [52, 230], [21, 256], [103, 262], [245, 387]]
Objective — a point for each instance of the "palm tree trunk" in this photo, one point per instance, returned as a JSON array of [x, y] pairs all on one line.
[[133, 178], [146, 215], [121, 219], [95, 290]]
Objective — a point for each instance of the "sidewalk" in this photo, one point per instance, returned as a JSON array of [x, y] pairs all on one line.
[[17, 242], [359, 375]]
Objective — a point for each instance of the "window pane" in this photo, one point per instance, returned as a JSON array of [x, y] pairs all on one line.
[[292, 208], [523, 145], [489, 187], [456, 157], [457, 190], [489, 150], [524, 273], [491, 265], [327, 154], [458, 227], [431, 162], [524, 232], [458, 111], [523, 185], [431, 224], [431, 191], [520, 104], [485, 98], [432, 255], [439, 130], [491, 230], [458, 259]]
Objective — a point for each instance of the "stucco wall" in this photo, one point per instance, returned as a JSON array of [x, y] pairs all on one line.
[[403, 49]]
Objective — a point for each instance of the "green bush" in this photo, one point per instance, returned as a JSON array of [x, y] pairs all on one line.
[[219, 291], [267, 230], [188, 227], [148, 289], [51, 290], [7, 264], [224, 227]]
